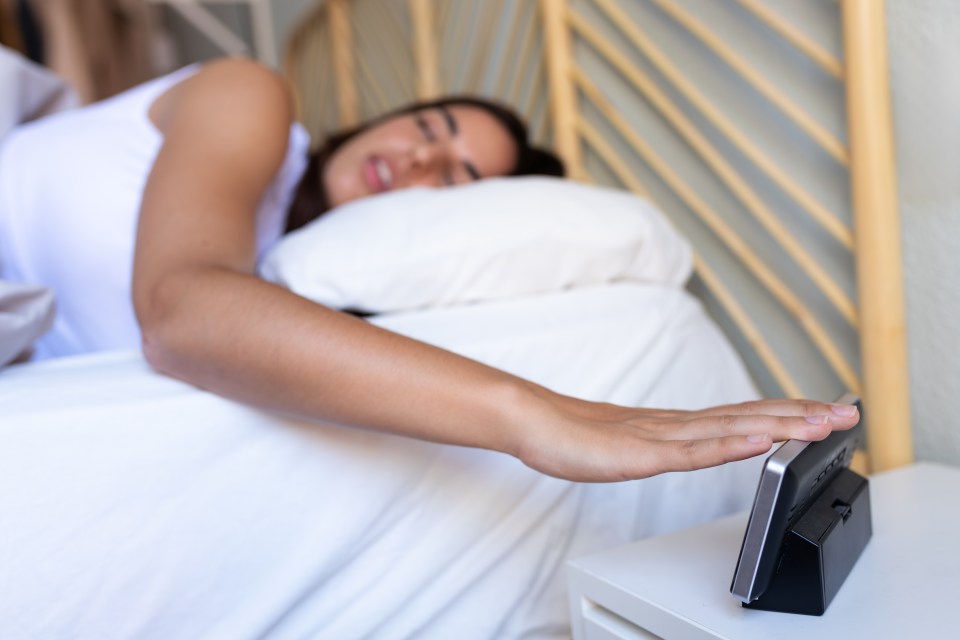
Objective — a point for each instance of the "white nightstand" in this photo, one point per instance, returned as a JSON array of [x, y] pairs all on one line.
[[905, 585]]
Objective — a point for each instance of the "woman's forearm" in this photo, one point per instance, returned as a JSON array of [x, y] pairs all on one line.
[[244, 338], [247, 339]]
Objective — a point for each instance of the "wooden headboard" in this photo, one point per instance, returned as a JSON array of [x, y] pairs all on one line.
[[761, 127]]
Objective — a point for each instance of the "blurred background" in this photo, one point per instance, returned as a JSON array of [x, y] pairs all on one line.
[[104, 46]]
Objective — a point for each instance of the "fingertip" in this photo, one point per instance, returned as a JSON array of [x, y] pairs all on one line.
[[759, 438], [847, 422], [843, 410]]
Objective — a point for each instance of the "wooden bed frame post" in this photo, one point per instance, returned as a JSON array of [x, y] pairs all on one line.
[[877, 231], [341, 44], [424, 49], [563, 106]]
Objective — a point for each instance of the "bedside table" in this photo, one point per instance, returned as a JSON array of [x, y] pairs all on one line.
[[905, 585]]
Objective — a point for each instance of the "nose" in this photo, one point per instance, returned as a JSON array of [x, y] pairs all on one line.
[[426, 161], [425, 155]]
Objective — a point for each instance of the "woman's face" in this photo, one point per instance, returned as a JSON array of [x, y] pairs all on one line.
[[433, 147]]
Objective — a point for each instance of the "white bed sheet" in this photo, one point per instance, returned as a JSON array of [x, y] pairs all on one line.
[[132, 505]]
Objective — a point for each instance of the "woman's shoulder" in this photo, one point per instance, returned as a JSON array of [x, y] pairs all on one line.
[[236, 89], [227, 126], [239, 72]]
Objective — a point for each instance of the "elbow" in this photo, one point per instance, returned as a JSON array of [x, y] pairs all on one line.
[[155, 352], [158, 317], [180, 335], [168, 354]]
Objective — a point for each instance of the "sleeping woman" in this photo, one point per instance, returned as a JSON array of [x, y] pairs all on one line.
[[147, 213]]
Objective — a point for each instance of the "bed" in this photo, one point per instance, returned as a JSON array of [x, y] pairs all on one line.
[[137, 506]]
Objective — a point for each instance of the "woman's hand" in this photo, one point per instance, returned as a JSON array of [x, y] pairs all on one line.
[[600, 442]]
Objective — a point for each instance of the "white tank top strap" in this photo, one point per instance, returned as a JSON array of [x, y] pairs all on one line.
[[135, 103]]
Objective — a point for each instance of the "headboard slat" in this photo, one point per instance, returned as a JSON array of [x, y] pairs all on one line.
[[425, 49], [341, 38], [559, 59], [794, 36], [877, 224]]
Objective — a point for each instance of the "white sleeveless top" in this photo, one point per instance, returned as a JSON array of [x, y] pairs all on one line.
[[70, 192]]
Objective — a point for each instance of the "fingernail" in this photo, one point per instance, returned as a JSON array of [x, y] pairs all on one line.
[[845, 410], [816, 419], [757, 438]]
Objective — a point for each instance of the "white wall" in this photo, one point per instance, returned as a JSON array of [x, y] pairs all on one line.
[[925, 79]]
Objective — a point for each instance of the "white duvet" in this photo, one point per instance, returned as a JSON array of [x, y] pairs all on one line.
[[135, 506]]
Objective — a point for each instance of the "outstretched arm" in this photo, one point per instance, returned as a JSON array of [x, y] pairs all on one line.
[[208, 320]]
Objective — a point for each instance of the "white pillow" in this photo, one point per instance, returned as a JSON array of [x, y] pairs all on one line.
[[489, 240]]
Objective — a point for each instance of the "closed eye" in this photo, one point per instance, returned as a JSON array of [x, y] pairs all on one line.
[[425, 128], [430, 134]]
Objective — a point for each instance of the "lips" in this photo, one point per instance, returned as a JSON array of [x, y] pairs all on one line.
[[378, 174]]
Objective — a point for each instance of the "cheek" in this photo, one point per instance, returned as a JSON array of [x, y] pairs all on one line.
[[507, 161], [340, 176], [495, 154], [338, 185], [499, 160]]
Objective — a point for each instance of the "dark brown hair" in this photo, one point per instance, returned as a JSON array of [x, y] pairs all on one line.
[[310, 199]]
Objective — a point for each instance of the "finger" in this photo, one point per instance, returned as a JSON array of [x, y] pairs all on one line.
[[780, 428], [840, 414], [688, 455]]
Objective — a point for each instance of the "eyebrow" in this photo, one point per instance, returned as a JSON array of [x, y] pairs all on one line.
[[454, 129], [450, 120]]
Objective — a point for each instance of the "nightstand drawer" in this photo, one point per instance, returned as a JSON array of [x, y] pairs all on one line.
[[600, 623]]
